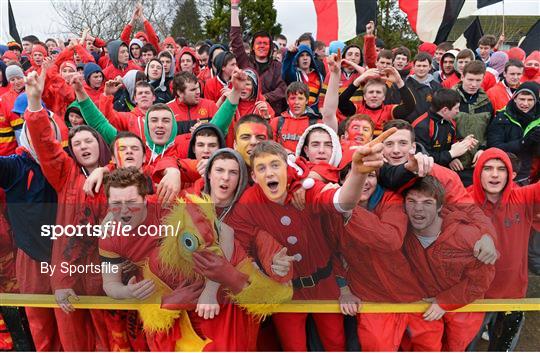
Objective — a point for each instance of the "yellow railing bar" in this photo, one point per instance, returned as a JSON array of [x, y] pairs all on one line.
[[106, 303]]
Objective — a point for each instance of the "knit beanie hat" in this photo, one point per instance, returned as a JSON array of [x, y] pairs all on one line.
[[498, 60], [69, 63], [516, 53], [427, 47], [14, 71]]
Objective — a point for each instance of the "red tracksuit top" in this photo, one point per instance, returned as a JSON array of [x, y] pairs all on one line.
[[110, 72], [447, 269], [512, 216], [187, 116], [499, 95]]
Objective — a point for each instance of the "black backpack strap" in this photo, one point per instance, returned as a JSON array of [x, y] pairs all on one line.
[[281, 121]]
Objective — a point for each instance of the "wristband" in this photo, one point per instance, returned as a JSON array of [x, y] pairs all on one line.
[[341, 282], [234, 7]]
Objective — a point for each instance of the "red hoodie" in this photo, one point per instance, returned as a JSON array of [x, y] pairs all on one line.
[[188, 50], [246, 107], [74, 206], [512, 216], [531, 73]]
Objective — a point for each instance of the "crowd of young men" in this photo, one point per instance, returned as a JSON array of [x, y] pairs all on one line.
[[356, 174]]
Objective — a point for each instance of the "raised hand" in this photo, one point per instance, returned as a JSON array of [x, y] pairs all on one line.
[[48, 62], [393, 75], [112, 86], [369, 157], [334, 62], [34, 86], [239, 79], [370, 28]]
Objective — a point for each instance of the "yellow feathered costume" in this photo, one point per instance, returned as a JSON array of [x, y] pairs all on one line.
[[199, 229]]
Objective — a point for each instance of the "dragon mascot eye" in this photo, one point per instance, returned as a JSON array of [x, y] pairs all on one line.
[[190, 242]]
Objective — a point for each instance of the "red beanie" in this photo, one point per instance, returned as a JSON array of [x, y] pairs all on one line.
[[70, 64], [427, 47], [9, 55], [40, 49], [516, 53], [141, 34]]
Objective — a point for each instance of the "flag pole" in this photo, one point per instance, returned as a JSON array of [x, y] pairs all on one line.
[[503, 17]]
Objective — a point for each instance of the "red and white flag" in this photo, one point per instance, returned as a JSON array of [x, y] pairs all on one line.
[[327, 20]]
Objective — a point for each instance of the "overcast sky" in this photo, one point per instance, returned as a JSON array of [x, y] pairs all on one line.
[[38, 16]]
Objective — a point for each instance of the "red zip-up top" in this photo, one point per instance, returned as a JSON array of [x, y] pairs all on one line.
[[371, 245], [110, 72], [499, 95], [213, 87], [512, 216], [74, 206], [447, 269], [187, 116]]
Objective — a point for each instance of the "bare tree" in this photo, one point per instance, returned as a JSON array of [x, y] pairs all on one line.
[[106, 18]]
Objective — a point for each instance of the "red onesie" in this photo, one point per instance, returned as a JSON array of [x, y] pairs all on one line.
[[302, 233], [378, 271]]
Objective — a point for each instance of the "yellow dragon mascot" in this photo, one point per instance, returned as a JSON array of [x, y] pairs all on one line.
[[200, 229]]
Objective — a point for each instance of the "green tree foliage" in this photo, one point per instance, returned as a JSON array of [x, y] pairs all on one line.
[[393, 27], [255, 15], [187, 22]]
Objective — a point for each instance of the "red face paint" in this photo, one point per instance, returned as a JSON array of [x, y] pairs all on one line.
[[247, 137], [262, 47]]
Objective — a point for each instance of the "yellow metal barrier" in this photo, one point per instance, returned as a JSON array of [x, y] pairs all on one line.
[[92, 302]]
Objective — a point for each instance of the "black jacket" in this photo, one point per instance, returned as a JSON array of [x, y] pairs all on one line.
[[436, 135], [422, 95], [506, 131]]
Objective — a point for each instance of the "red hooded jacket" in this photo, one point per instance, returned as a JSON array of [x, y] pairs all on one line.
[[188, 50], [245, 107], [74, 206], [371, 245], [512, 216], [447, 269], [531, 73]]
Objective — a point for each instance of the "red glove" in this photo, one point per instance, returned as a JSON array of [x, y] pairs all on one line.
[[184, 297], [216, 268]]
